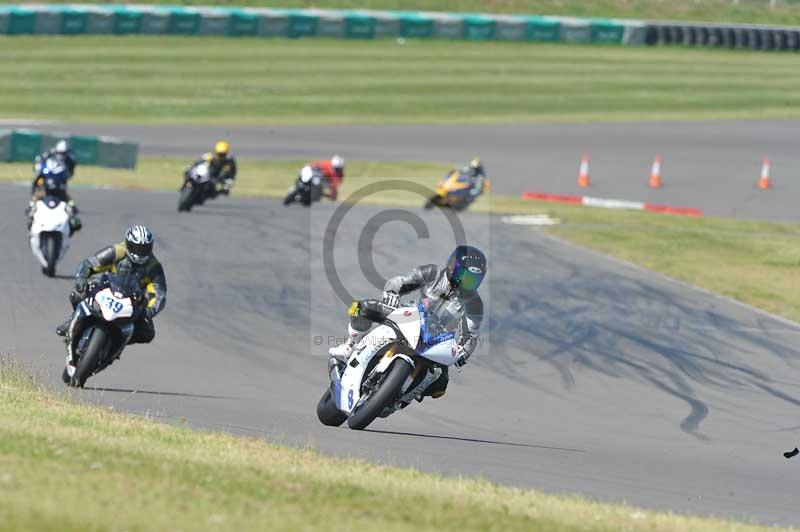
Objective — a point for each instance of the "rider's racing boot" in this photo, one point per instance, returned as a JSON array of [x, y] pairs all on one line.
[[62, 329], [342, 352], [75, 225]]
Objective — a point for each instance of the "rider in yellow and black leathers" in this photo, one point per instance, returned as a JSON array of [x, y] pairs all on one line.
[[221, 168], [147, 268]]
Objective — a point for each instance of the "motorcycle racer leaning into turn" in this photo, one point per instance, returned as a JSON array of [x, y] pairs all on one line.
[[333, 172], [135, 253], [221, 168], [477, 176], [448, 293]]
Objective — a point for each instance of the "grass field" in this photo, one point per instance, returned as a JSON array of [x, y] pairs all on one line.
[[66, 466], [237, 81], [754, 262], [785, 12]]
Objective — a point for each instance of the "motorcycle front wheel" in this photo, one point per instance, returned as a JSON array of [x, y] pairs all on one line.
[[383, 397], [50, 252], [185, 199], [327, 412], [90, 359]]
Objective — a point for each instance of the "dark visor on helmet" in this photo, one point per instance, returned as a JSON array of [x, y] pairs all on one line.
[[142, 250], [469, 279]]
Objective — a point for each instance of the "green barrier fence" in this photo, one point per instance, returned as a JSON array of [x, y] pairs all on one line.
[[117, 19], [242, 24], [607, 31], [25, 145], [415, 25]]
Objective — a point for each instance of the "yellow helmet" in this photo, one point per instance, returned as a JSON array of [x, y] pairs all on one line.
[[221, 148]]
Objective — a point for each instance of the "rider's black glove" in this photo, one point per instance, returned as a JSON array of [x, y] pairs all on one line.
[[81, 285], [390, 299]]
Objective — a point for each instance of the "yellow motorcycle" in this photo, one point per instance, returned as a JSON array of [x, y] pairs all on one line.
[[456, 191]]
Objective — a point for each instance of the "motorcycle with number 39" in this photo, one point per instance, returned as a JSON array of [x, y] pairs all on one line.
[[101, 325], [389, 368]]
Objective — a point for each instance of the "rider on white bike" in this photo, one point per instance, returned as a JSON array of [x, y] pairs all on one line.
[[448, 293]]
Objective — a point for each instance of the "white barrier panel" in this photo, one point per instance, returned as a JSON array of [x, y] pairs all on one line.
[[99, 20], [447, 26]]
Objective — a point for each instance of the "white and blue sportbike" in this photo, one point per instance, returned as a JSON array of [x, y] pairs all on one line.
[[389, 368], [101, 325]]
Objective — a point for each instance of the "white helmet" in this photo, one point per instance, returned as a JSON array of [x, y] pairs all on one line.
[[306, 174], [337, 162], [62, 146]]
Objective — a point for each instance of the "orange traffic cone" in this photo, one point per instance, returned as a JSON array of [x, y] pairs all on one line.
[[765, 183], [583, 173], [655, 173]]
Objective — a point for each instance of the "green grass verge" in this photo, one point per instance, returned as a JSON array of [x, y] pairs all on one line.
[[150, 79], [756, 11], [67, 466], [753, 262]]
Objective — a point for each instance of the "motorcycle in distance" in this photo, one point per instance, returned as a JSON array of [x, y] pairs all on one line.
[[388, 368], [307, 189], [455, 191], [196, 187], [50, 215], [101, 325]]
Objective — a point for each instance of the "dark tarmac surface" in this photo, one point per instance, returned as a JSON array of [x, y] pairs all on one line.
[[712, 165], [593, 377]]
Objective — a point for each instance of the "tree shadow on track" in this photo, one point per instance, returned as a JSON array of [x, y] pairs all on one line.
[[166, 394], [475, 440], [618, 323]]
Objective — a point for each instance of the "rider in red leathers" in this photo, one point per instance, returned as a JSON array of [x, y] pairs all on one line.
[[333, 172]]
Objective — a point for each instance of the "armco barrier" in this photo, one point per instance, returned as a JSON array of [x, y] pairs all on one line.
[[118, 19], [24, 146]]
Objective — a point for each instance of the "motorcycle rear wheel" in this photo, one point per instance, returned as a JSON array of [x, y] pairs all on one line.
[[90, 359], [383, 397]]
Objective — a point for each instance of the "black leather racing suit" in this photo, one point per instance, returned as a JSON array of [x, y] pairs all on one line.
[[477, 177], [151, 279], [452, 310]]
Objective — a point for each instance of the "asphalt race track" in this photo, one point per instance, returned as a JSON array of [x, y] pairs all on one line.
[[712, 165], [594, 377]]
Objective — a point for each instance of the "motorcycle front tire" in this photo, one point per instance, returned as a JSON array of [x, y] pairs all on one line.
[[327, 412], [90, 359], [185, 199], [383, 397], [50, 252], [433, 201]]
